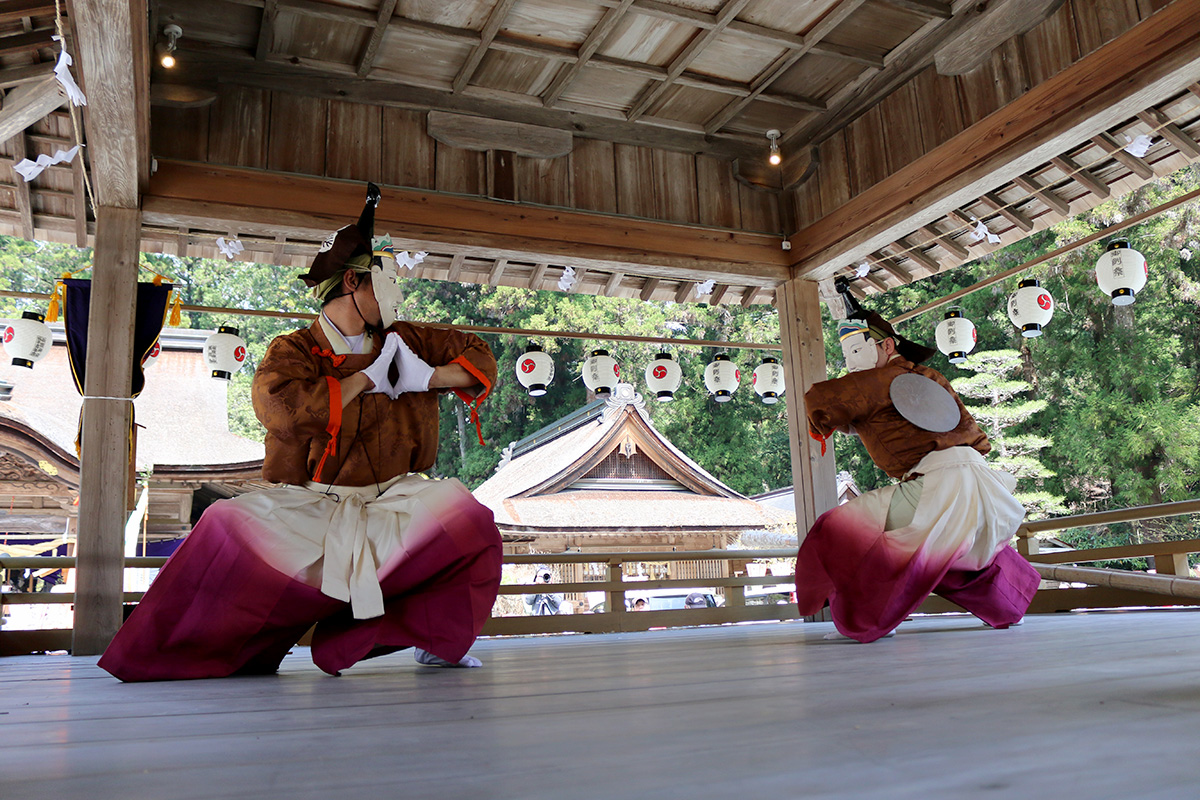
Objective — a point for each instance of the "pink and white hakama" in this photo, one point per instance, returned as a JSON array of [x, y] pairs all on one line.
[[417, 566], [956, 546]]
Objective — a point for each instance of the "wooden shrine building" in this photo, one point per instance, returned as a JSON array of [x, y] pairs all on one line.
[[624, 139], [603, 479]]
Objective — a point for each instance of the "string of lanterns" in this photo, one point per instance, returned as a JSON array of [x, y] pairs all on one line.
[[601, 372], [1121, 272]]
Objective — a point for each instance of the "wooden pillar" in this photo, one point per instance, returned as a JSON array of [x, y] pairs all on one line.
[[107, 416], [1172, 564], [803, 343]]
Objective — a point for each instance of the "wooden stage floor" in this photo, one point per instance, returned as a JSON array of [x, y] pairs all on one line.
[[1071, 705]]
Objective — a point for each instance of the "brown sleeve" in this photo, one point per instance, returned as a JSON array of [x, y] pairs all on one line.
[[839, 404], [291, 399]]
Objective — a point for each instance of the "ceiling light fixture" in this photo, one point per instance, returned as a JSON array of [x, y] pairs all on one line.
[[774, 158]]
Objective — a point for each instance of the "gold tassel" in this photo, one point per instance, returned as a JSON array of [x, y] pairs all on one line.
[[175, 311], [52, 309]]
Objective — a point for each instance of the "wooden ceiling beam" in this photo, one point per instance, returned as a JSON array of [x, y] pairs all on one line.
[[684, 291], [28, 103], [614, 284], [497, 271], [928, 8], [456, 267], [15, 76], [828, 23], [1166, 129], [266, 30], [1109, 145], [694, 48], [21, 191], [918, 256], [27, 42], [1043, 193], [490, 28], [260, 203], [13, 10], [718, 294], [648, 288], [236, 67], [1152, 61], [387, 8], [992, 201], [595, 39], [1081, 175]]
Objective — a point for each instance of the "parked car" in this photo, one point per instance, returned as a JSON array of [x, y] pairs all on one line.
[[661, 599]]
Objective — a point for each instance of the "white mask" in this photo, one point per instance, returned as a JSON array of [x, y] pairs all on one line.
[[862, 353], [385, 284]]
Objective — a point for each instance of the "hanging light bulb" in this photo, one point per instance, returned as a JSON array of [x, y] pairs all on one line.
[[775, 158], [153, 354], [768, 380], [224, 352], [535, 370], [600, 372], [28, 339], [663, 377], [1121, 272], [955, 336], [722, 378], [166, 52], [1030, 307]]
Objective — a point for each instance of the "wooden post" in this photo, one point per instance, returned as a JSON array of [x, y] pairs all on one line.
[[1172, 564], [1028, 545], [804, 364], [107, 417], [616, 600]]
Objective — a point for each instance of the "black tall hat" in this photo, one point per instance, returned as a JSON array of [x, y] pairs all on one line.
[[345, 243]]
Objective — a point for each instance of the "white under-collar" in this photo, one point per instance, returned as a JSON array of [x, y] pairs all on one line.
[[342, 344]]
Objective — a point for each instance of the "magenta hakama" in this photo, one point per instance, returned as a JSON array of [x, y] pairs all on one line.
[[956, 546], [417, 566]]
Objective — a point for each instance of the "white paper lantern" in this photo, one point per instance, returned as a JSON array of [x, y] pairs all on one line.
[[1030, 307], [768, 380], [600, 372], [1121, 272], [955, 336], [535, 370], [224, 352], [722, 378], [152, 356], [28, 339], [663, 377]]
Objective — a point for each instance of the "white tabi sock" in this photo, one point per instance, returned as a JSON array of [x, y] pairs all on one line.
[[428, 659]]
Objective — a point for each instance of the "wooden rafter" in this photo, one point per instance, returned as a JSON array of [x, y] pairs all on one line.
[[1052, 201], [718, 294], [694, 48], [266, 29], [456, 266], [889, 265], [277, 73], [929, 8], [917, 254], [20, 9], [595, 39], [946, 242], [28, 103], [539, 272], [785, 62], [490, 29], [1149, 63], [648, 288], [497, 271], [994, 202], [21, 192], [1081, 175], [684, 291], [15, 76], [1166, 129], [613, 284], [26, 42], [1109, 145], [386, 9]]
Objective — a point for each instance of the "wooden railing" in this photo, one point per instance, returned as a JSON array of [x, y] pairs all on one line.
[[614, 618], [1106, 589]]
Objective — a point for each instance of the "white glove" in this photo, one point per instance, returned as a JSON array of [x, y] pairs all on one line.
[[377, 373], [414, 372]]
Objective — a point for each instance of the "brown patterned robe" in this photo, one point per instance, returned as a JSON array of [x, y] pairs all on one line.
[[860, 403], [297, 397]]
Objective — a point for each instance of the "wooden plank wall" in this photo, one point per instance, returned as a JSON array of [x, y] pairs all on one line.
[[930, 109], [289, 133]]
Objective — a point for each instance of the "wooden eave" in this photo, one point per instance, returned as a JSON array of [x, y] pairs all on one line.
[[632, 428]]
